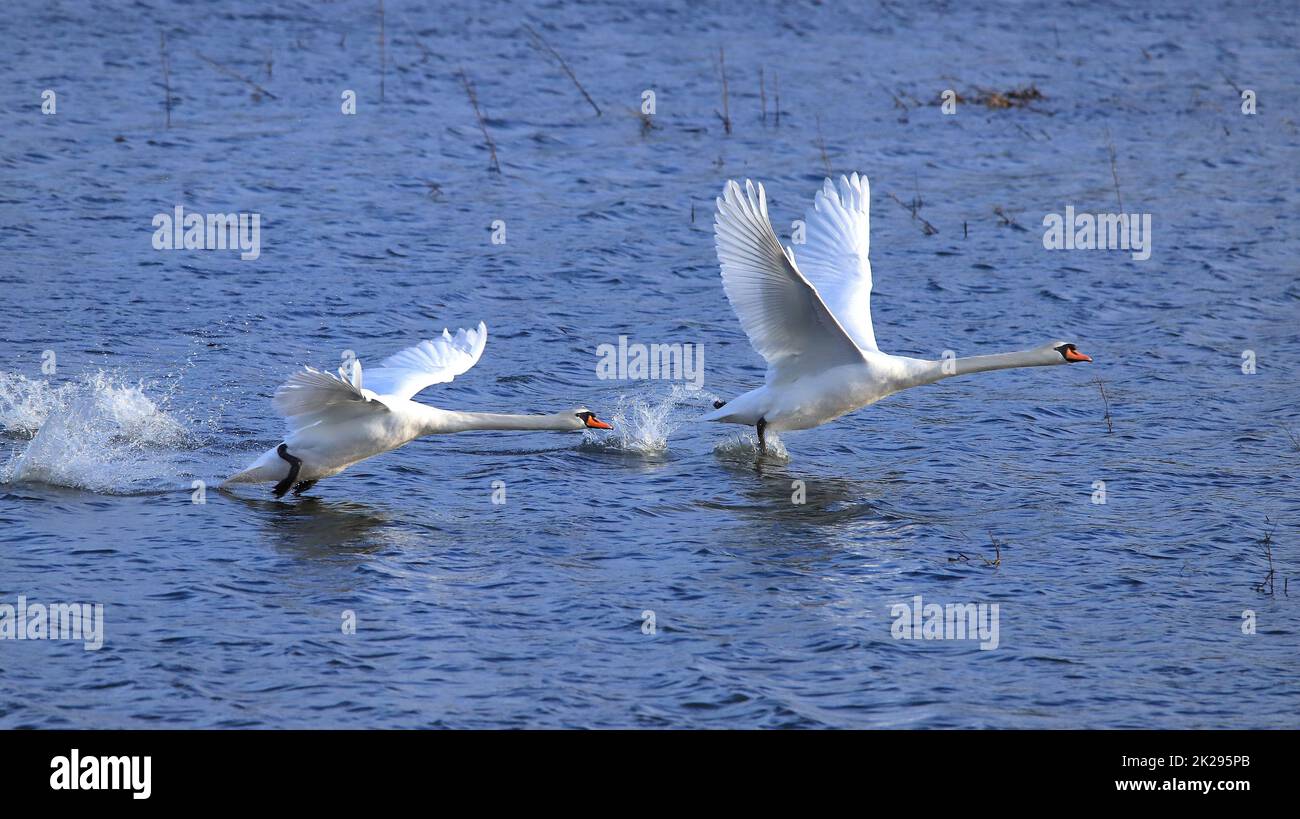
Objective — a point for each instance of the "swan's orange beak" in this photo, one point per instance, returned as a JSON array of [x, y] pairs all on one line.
[[1072, 354], [594, 423]]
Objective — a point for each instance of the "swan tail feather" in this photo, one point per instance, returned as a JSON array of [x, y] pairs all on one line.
[[727, 415], [268, 467]]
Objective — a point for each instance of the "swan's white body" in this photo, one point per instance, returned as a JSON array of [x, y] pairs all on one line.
[[811, 318], [336, 421]]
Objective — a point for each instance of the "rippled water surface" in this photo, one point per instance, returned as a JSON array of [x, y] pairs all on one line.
[[377, 231]]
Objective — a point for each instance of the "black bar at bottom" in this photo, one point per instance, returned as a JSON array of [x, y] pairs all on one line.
[[209, 768]]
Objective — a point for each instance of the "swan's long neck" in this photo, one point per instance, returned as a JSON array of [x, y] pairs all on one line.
[[448, 421], [947, 368]]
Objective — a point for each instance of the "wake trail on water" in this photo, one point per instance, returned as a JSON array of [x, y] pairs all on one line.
[[100, 433]]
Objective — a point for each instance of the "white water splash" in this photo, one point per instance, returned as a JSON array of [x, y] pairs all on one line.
[[642, 425], [98, 433], [745, 447]]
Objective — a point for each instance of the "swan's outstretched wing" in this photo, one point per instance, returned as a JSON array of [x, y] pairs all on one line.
[[781, 311], [435, 361], [834, 258], [311, 396]]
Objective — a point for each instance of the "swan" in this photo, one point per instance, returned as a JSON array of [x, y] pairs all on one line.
[[335, 421], [808, 314]]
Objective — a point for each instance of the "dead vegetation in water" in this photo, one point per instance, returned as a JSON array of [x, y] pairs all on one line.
[[1101, 388], [821, 144], [725, 113], [903, 101], [1295, 442], [914, 207], [776, 87], [257, 91], [647, 124], [1114, 170], [1020, 97], [1006, 218], [472, 94], [541, 45], [167, 75], [383, 52], [1268, 584], [997, 554]]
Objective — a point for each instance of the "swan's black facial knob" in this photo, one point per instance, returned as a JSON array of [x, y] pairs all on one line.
[[1071, 354]]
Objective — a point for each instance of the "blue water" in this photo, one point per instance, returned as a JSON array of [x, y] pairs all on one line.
[[376, 231]]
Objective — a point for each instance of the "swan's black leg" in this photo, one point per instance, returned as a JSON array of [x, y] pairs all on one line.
[[295, 464], [719, 404], [303, 486], [762, 442]]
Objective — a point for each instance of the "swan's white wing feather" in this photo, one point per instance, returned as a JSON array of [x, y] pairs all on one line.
[[435, 361], [779, 309], [834, 257], [311, 396]]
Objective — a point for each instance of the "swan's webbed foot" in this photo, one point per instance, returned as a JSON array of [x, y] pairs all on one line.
[[762, 442], [303, 486], [295, 464], [719, 404]]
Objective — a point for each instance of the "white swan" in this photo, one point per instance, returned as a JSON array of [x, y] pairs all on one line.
[[335, 421], [811, 318]]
